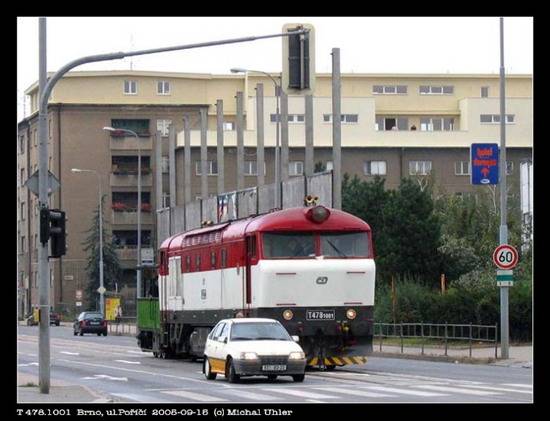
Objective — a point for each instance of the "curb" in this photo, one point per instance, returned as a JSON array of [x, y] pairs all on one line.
[[435, 358]]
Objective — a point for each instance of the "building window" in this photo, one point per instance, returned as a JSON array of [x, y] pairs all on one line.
[[462, 168], [22, 177], [163, 126], [228, 125], [391, 123], [23, 211], [374, 168], [35, 136], [436, 124], [389, 89], [484, 92], [165, 164], [138, 126], [509, 167], [21, 145], [495, 118], [295, 168], [292, 118], [420, 167], [23, 244], [130, 87], [436, 90], [163, 87], [212, 167], [344, 118]]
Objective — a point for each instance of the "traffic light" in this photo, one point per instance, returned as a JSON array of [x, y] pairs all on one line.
[[52, 226], [299, 60]]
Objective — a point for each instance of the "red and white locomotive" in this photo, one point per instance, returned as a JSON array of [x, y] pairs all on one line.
[[310, 268]]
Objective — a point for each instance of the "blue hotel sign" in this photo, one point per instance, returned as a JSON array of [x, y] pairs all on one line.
[[484, 161]]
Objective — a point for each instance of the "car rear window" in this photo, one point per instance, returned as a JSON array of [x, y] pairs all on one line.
[[93, 316]]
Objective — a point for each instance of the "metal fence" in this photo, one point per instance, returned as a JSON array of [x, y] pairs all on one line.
[[437, 331], [123, 326]]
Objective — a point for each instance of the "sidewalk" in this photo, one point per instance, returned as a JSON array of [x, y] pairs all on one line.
[[520, 356], [28, 391]]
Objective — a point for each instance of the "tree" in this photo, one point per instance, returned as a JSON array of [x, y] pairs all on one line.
[[111, 266]]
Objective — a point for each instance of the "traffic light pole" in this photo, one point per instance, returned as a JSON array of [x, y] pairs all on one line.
[[45, 87]]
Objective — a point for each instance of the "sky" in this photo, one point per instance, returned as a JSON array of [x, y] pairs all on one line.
[[367, 44]]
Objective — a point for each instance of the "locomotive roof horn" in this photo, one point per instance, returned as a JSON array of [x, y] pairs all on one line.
[[311, 200]]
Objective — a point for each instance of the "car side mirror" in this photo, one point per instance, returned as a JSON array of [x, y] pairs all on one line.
[[296, 338]]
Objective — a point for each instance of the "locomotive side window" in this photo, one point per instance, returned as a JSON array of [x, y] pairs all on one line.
[[345, 244], [288, 244], [213, 259], [224, 258], [198, 262], [188, 263]]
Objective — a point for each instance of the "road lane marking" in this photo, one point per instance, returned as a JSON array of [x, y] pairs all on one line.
[[127, 362], [69, 353], [363, 393], [195, 396], [140, 398], [502, 389], [136, 352], [456, 390], [405, 392], [251, 395], [26, 365], [530, 386], [300, 393], [105, 376]]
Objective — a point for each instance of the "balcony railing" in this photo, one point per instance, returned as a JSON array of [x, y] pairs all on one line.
[[130, 180], [129, 216]]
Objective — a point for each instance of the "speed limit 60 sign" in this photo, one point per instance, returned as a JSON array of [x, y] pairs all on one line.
[[505, 256]]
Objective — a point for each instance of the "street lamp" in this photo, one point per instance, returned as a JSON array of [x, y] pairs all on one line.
[[101, 286], [138, 270], [277, 164]]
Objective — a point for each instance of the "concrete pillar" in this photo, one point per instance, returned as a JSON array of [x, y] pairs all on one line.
[[309, 135], [240, 142], [336, 131], [260, 133], [204, 154], [219, 133], [284, 137], [187, 157], [172, 163]]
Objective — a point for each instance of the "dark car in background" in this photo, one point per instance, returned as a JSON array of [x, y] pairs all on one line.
[[90, 322], [55, 319]]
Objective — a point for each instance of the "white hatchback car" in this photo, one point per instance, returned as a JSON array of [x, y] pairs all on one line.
[[252, 347]]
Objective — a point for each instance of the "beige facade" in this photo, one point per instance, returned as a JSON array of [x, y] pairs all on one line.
[[84, 102]]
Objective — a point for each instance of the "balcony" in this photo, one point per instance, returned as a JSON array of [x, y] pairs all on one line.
[[125, 215], [127, 253], [123, 143], [128, 177]]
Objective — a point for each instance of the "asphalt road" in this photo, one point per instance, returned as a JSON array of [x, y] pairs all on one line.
[[115, 366]]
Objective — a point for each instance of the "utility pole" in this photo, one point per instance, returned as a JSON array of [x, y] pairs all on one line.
[[503, 234], [43, 266], [336, 132]]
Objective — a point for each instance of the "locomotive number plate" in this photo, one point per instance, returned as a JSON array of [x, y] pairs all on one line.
[[320, 315]]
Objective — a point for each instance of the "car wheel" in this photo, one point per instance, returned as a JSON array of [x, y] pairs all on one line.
[[74, 332], [207, 370], [272, 377], [230, 374], [155, 354], [57, 324], [104, 333], [299, 378], [81, 333], [99, 334], [330, 367]]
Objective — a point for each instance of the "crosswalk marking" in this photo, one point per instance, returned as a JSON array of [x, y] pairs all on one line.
[[405, 392], [251, 395], [529, 386], [194, 396], [502, 389], [456, 390], [302, 394], [353, 392]]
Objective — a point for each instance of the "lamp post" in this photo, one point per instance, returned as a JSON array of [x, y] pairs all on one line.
[[101, 285], [277, 158], [138, 270]]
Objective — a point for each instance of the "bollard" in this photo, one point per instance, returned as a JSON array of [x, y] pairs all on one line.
[[470, 339], [381, 336], [401, 334], [496, 341], [422, 333], [445, 338]]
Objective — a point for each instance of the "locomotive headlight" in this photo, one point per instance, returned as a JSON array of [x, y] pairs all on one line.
[[288, 314], [249, 356], [296, 356], [351, 314]]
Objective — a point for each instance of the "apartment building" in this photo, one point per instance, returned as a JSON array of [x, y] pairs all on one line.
[[402, 125]]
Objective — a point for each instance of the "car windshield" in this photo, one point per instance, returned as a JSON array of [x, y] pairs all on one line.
[[289, 244], [88, 316], [258, 332], [346, 244]]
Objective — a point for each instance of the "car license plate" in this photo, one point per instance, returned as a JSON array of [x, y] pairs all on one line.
[[320, 315], [94, 323], [274, 367]]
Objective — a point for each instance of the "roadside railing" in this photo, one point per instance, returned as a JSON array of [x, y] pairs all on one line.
[[122, 326], [427, 333]]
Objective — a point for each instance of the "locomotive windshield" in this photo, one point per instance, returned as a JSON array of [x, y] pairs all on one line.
[[345, 244], [289, 244]]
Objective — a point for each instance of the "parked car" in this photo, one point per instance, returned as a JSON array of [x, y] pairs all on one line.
[[90, 322], [252, 347], [55, 319]]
